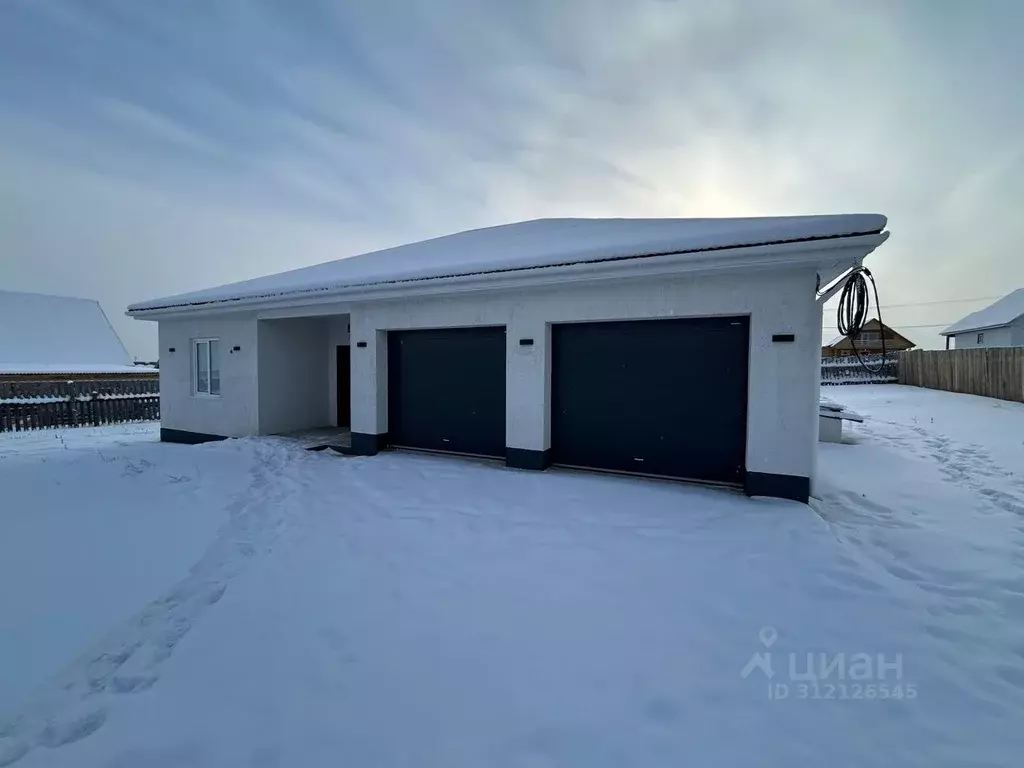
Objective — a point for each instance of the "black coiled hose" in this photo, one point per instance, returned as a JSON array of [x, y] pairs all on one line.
[[852, 315]]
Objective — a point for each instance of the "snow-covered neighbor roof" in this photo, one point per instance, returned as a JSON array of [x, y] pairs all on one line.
[[531, 245], [57, 334], [872, 325], [1003, 312]]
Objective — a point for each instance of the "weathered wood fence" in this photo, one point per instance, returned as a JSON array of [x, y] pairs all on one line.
[[992, 372], [78, 403], [849, 370]]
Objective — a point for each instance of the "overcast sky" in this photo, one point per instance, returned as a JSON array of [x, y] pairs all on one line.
[[149, 148]]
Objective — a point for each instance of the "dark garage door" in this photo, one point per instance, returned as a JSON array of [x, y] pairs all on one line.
[[446, 390], [658, 397]]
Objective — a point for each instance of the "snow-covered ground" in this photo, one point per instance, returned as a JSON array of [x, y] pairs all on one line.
[[94, 524], [280, 607]]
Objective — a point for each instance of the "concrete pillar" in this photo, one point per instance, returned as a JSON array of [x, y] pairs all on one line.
[[528, 393], [813, 356], [369, 388], [782, 414]]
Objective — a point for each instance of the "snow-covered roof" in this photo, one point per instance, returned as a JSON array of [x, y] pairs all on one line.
[[871, 325], [71, 368], [1003, 312], [531, 245], [58, 334]]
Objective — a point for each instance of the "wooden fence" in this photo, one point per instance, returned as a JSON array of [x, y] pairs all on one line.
[[77, 403], [992, 372], [849, 370]]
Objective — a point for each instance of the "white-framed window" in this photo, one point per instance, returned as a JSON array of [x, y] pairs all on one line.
[[206, 366], [981, 338], [870, 336]]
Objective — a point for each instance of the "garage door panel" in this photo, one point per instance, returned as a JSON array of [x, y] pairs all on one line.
[[662, 397], [446, 390]]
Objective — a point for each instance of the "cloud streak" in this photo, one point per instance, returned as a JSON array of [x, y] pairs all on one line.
[[154, 148]]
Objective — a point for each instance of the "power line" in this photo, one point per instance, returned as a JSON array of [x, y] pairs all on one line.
[[897, 325], [932, 303], [921, 304]]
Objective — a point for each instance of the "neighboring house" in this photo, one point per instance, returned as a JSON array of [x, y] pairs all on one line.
[[997, 325], [868, 341], [42, 336], [679, 348]]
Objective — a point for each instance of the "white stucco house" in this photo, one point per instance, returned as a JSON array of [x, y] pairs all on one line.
[[43, 335], [678, 348], [998, 325]]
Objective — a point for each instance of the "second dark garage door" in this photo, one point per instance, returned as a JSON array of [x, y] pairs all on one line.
[[446, 390], [657, 397]]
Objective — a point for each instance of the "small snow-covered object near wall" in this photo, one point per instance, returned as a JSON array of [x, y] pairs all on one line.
[[830, 421]]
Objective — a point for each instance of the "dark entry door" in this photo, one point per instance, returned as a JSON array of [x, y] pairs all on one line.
[[446, 390], [658, 397], [344, 386]]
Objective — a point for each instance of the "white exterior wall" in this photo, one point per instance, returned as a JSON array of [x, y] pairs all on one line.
[[232, 414], [994, 337], [782, 421], [292, 371], [283, 377]]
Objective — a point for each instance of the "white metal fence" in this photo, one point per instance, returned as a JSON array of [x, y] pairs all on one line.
[[850, 370]]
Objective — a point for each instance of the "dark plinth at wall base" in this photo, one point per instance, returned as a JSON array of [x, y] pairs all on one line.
[[365, 444], [186, 437], [524, 458], [792, 487]]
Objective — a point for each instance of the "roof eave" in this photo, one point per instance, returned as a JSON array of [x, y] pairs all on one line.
[[758, 257], [973, 328]]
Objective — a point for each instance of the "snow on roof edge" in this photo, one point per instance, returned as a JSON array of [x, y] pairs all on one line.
[[151, 306], [999, 313], [61, 296], [953, 331], [70, 369], [40, 329], [113, 330]]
